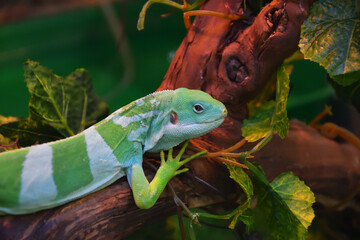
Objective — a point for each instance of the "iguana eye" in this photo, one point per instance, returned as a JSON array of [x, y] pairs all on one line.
[[198, 108]]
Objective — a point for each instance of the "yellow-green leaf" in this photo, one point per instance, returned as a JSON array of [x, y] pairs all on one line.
[[331, 37]]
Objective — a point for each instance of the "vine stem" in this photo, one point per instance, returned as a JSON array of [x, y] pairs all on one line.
[[231, 162], [16, 142], [188, 14], [326, 111], [331, 130], [184, 7]]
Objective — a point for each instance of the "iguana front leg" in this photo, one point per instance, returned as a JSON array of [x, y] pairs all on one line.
[[145, 193]]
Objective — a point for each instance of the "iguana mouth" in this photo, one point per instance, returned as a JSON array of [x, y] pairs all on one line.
[[216, 121], [220, 120]]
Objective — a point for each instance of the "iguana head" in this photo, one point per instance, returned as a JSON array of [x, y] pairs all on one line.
[[188, 114]]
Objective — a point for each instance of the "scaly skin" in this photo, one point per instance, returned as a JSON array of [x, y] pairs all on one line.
[[146, 193], [48, 175]]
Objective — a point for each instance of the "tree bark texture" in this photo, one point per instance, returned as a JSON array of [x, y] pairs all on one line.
[[232, 61]]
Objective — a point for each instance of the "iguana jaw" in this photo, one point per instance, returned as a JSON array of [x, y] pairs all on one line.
[[172, 135]]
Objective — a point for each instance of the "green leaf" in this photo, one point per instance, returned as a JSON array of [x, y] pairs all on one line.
[[259, 123], [240, 176], [29, 132], [69, 105], [296, 195], [270, 115], [347, 79], [331, 37], [80, 89], [244, 181], [279, 120], [283, 209], [247, 218]]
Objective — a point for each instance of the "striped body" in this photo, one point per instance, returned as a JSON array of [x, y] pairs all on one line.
[[48, 175]]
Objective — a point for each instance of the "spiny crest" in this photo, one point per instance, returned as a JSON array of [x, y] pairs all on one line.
[[159, 92], [136, 102]]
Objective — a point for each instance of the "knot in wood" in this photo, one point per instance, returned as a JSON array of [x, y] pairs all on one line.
[[236, 71]]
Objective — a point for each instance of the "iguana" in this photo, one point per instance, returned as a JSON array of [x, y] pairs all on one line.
[[51, 174]]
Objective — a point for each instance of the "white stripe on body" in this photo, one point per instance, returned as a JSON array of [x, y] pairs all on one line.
[[136, 133], [125, 120], [154, 102], [37, 182], [103, 163], [104, 166], [38, 190], [140, 102]]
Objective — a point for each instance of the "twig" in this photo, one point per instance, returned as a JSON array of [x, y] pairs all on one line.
[[326, 111]]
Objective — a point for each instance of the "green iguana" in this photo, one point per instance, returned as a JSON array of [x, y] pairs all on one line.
[[47, 175]]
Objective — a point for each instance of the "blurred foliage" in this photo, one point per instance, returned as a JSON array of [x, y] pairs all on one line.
[[83, 38]]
